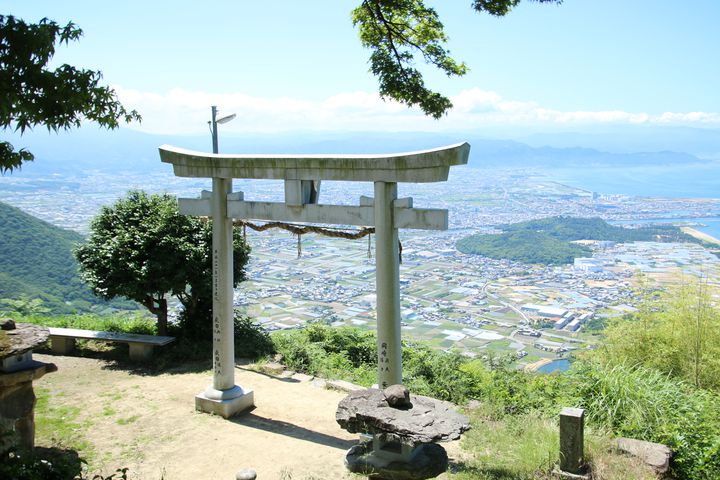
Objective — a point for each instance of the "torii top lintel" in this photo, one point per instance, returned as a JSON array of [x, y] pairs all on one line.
[[411, 167]]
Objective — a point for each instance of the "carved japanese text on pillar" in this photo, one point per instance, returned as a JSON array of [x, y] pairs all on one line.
[[383, 362]]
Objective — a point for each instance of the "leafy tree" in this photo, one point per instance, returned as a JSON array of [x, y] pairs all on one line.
[[32, 94], [396, 31], [143, 249]]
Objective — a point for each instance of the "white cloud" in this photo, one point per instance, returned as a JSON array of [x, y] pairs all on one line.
[[180, 111]]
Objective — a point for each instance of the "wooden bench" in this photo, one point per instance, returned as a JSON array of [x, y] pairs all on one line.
[[62, 341]]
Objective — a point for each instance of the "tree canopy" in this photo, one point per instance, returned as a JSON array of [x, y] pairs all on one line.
[[142, 248], [32, 94], [397, 31]]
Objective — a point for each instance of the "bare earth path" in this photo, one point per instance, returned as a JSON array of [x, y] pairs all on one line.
[[148, 424]]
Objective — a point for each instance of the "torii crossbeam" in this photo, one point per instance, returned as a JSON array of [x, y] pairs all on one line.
[[302, 175]]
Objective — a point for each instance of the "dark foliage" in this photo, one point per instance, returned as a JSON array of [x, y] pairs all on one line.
[[32, 94], [396, 31]]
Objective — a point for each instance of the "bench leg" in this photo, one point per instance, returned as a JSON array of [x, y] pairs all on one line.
[[62, 345], [140, 351]]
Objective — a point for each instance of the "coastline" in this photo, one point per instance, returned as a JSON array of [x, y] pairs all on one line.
[[532, 367], [700, 235]]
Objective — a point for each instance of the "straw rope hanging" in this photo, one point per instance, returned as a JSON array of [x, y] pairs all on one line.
[[301, 230]]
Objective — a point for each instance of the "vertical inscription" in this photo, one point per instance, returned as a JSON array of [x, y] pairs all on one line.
[[217, 364], [216, 274], [383, 362]]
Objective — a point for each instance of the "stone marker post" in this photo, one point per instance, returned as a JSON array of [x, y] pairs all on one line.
[[572, 440], [387, 286]]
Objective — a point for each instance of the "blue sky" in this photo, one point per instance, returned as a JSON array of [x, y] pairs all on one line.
[[292, 65]]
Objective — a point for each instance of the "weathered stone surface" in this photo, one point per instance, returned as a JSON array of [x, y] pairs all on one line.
[[273, 368], [36, 370], [397, 396], [655, 455], [427, 461], [572, 440], [427, 421], [17, 405], [343, 386], [246, 474], [24, 337], [303, 377], [319, 383]]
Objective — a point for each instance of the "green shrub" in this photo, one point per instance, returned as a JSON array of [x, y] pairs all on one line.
[[643, 403], [345, 353], [251, 340]]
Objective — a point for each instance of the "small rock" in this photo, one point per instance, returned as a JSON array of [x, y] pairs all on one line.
[[655, 455], [7, 324], [273, 368], [343, 386], [302, 377], [319, 383], [246, 474], [397, 396]]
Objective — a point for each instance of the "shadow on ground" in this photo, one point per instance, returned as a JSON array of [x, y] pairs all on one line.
[[116, 357], [290, 430], [244, 366]]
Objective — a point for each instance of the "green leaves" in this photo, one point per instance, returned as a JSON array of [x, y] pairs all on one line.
[[31, 94], [142, 248], [398, 30], [395, 31]]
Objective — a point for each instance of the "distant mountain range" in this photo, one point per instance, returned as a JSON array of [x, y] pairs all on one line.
[[37, 263], [128, 150]]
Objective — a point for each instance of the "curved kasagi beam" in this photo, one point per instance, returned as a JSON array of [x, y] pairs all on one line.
[[412, 167]]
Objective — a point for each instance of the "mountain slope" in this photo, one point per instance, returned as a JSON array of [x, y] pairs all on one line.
[[37, 262]]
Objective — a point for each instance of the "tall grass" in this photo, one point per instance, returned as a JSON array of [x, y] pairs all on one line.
[[643, 403]]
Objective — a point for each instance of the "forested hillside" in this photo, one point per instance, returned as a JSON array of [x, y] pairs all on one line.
[[548, 240], [37, 263], [572, 228]]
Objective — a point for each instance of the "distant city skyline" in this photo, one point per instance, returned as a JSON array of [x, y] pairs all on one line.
[[290, 66]]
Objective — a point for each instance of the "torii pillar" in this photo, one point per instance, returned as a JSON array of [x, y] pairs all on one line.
[[302, 175]]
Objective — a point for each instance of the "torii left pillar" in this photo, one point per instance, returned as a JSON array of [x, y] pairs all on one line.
[[223, 397]]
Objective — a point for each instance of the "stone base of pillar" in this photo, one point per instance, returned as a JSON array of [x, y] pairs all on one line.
[[226, 403], [570, 476], [422, 462]]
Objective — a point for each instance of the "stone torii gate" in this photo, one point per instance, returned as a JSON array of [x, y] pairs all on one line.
[[302, 175]]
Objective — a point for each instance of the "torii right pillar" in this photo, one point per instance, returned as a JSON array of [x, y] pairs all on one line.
[[387, 284]]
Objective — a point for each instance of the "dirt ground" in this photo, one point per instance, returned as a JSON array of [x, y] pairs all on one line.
[[148, 423]]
